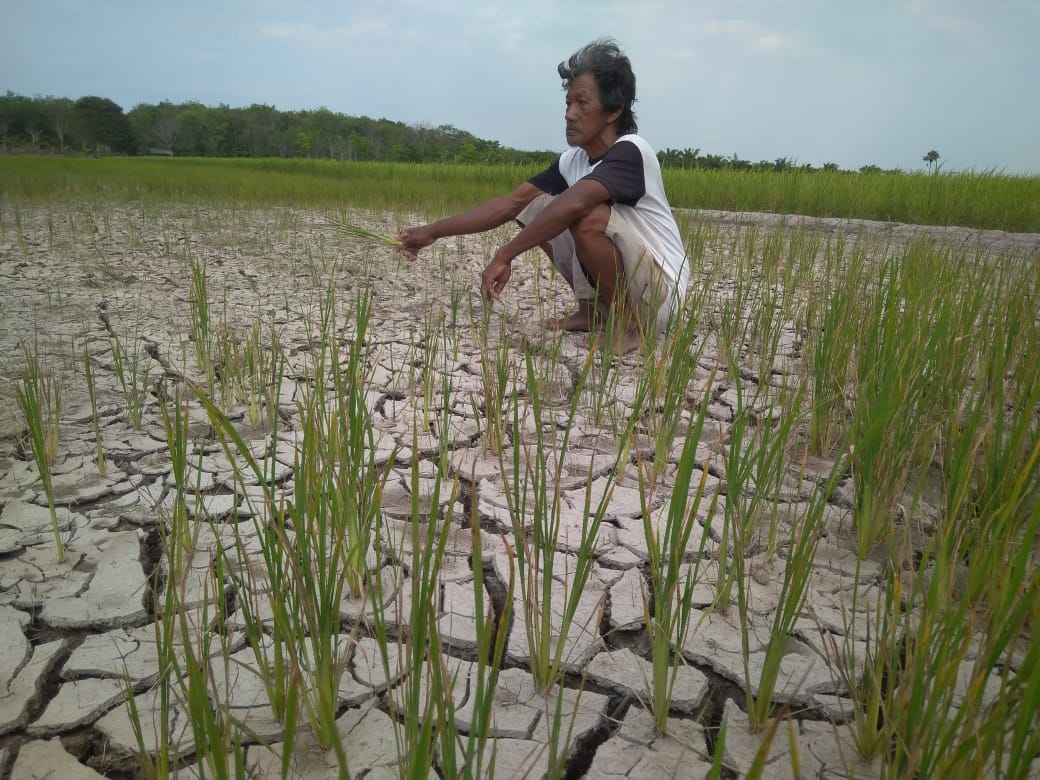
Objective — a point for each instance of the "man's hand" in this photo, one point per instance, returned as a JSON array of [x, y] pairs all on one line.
[[413, 239], [496, 276]]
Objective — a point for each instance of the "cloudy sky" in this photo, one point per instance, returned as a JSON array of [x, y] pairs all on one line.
[[853, 82]]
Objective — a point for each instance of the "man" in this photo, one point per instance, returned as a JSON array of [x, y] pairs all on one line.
[[599, 211]]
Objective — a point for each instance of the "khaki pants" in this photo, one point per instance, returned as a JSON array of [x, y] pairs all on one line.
[[645, 281]]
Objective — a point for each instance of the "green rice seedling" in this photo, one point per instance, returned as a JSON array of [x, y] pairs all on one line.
[[230, 364], [263, 361], [781, 310], [776, 438], [737, 299], [175, 529], [802, 544], [670, 580], [355, 231], [830, 340], [554, 383], [422, 707], [532, 491], [201, 330], [19, 232], [989, 442], [266, 585], [600, 385], [863, 660], [754, 468], [295, 596], [496, 372], [44, 390], [88, 372], [975, 199], [967, 293], [336, 501], [332, 517], [39, 398], [492, 634], [455, 297], [975, 588], [938, 723], [663, 390], [227, 351], [186, 644], [986, 199], [766, 257], [430, 369], [718, 752], [744, 498], [896, 389], [132, 367]]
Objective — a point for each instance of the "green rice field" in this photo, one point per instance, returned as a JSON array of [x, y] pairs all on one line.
[[277, 502]]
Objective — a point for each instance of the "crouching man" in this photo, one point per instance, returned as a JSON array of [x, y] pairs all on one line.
[[599, 211]]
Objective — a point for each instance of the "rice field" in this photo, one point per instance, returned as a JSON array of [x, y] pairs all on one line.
[[275, 501]]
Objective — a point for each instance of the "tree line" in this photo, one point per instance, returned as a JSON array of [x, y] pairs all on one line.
[[96, 125], [692, 158]]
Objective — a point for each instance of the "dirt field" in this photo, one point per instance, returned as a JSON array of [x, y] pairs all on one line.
[[73, 632]]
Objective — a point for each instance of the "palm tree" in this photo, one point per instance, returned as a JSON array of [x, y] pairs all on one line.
[[931, 158]]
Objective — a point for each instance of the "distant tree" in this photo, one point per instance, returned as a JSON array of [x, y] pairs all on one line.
[[154, 126], [870, 169], [831, 167], [58, 111], [17, 115], [100, 122], [931, 159], [10, 109], [680, 158], [264, 130]]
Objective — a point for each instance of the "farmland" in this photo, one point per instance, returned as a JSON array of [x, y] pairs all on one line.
[[276, 501]]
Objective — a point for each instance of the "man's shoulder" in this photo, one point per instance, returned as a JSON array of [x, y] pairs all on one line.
[[637, 141], [574, 155]]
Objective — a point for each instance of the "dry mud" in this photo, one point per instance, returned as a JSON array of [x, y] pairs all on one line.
[[74, 634]]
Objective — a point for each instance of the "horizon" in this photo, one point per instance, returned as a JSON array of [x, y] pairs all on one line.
[[851, 84]]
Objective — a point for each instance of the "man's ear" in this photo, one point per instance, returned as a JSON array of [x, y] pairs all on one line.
[[614, 116]]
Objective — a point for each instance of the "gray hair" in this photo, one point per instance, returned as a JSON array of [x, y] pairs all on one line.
[[612, 70]]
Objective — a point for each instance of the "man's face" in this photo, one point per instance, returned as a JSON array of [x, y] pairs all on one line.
[[585, 116]]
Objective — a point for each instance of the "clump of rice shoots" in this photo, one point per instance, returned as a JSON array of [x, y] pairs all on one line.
[[355, 231]]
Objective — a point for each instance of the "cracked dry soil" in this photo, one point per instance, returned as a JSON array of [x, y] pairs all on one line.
[[74, 634]]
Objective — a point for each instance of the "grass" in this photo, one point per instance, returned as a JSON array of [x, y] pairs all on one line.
[[984, 199], [668, 603], [88, 373], [817, 390], [536, 505], [39, 397], [131, 367]]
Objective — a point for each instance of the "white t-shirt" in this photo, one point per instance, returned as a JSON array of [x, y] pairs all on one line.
[[632, 175]]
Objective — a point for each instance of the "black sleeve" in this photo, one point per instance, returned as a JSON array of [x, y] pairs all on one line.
[[621, 172], [550, 180]]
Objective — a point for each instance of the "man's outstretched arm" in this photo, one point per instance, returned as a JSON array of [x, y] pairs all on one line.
[[486, 216], [566, 209]]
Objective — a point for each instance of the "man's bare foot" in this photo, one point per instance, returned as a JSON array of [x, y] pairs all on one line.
[[584, 320], [616, 343], [629, 341]]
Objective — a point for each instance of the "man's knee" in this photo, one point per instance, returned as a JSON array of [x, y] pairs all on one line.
[[593, 224]]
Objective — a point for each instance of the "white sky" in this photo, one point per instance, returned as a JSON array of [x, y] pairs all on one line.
[[853, 82]]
